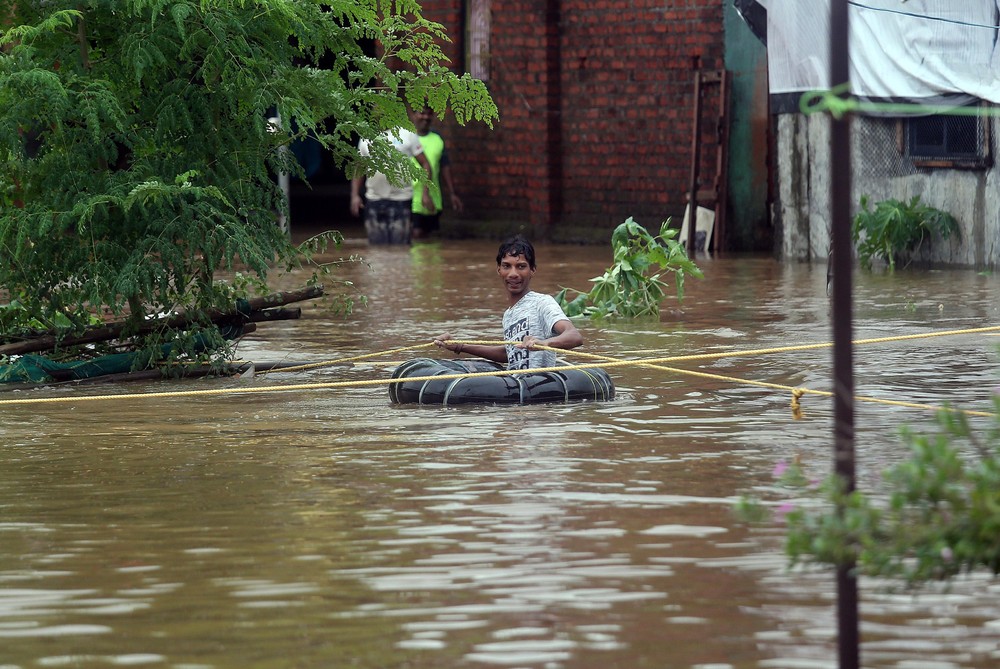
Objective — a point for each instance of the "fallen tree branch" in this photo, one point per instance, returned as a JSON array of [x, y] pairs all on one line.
[[258, 311]]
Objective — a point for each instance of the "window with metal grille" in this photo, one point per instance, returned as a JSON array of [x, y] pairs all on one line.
[[477, 38], [944, 140]]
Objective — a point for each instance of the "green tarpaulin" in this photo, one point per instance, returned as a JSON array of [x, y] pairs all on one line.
[[39, 369]]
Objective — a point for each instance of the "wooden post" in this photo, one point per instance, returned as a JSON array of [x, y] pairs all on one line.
[[695, 158]]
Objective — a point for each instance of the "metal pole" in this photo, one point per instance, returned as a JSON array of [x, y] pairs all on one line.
[[283, 180], [843, 360], [285, 185]]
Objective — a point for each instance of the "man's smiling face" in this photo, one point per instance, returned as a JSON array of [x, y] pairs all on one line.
[[516, 273]]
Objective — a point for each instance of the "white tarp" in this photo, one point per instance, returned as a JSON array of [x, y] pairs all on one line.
[[900, 49]]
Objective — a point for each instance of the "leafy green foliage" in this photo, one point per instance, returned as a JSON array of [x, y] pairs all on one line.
[[893, 228], [18, 321], [632, 287], [939, 517], [136, 155]]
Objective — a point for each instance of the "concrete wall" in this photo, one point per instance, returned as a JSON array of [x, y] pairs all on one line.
[[801, 209]]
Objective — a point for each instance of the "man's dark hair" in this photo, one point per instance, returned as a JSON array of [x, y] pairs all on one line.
[[517, 246]]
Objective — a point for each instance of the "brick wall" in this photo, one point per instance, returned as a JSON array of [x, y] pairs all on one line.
[[595, 100]]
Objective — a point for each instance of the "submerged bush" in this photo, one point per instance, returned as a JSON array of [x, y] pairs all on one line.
[[894, 228], [632, 286]]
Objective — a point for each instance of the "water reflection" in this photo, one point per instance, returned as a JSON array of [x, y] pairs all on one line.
[[328, 528]]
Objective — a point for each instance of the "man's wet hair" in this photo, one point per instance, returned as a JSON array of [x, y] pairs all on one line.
[[517, 246]]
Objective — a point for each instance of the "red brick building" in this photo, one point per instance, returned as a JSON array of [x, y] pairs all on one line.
[[596, 109]]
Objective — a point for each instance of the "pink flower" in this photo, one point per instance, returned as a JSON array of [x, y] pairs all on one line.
[[783, 510], [780, 469]]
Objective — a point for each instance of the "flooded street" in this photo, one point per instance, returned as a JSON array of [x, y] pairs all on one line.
[[324, 527]]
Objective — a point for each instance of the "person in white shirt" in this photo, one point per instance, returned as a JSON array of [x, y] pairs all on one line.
[[532, 318], [387, 206]]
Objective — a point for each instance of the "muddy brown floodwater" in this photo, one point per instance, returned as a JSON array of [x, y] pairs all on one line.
[[327, 528]]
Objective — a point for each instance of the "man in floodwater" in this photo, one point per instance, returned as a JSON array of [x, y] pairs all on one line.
[[386, 205], [532, 318]]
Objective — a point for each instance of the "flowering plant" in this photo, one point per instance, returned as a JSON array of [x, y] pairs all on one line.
[[940, 516]]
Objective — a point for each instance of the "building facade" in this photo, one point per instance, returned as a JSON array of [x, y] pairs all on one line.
[[596, 114], [925, 85]]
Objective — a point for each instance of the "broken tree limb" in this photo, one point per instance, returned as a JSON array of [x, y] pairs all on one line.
[[266, 315], [110, 331]]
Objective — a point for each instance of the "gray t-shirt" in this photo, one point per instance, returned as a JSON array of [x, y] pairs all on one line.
[[534, 314]]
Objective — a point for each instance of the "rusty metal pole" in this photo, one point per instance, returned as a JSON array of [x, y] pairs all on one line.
[[843, 360]]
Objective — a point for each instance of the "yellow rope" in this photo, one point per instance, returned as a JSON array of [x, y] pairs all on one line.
[[651, 363], [813, 347], [796, 406], [797, 392], [340, 361], [674, 358]]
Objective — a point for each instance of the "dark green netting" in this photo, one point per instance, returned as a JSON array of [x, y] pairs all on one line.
[[39, 369]]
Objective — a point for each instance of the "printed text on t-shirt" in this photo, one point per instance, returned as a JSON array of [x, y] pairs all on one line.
[[518, 359]]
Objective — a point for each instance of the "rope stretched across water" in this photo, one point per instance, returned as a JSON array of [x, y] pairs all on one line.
[[797, 391], [655, 363], [606, 361], [656, 360]]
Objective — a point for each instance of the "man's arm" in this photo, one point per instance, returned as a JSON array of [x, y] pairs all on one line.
[[494, 353], [357, 204], [567, 337], [425, 194], [449, 185]]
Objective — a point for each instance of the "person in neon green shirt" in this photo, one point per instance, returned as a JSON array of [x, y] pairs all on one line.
[[426, 220]]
